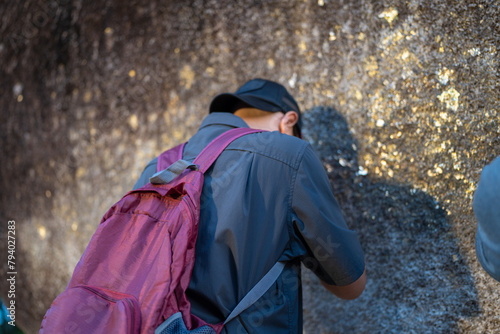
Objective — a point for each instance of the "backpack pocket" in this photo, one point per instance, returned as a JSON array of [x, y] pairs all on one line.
[[87, 309]]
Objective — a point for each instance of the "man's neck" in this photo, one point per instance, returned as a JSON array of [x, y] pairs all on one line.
[[259, 119]]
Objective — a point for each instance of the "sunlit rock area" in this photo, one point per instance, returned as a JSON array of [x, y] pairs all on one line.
[[400, 101]]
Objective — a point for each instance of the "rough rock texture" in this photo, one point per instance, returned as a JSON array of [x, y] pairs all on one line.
[[401, 103]]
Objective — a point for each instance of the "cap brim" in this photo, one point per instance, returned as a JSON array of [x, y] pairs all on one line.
[[228, 102]]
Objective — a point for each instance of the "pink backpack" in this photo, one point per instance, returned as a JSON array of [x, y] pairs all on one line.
[[136, 268]]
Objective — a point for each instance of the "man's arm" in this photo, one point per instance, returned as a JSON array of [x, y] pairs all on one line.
[[332, 250], [348, 292]]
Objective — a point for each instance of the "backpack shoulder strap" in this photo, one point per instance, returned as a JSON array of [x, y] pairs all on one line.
[[169, 157], [257, 291], [210, 153]]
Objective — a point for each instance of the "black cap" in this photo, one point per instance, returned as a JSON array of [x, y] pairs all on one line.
[[261, 94]]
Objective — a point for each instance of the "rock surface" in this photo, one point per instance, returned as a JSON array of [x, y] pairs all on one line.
[[400, 101]]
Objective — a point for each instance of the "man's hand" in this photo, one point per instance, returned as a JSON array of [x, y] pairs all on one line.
[[348, 292]]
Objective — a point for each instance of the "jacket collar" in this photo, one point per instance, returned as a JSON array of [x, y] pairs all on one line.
[[223, 118]]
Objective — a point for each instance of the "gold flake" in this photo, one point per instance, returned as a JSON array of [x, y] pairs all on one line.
[[302, 46], [444, 75], [474, 52], [389, 15], [42, 232], [80, 172], [187, 76], [371, 66], [133, 121], [450, 98], [405, 55], [270, 63], [358, 95], [87, 96], [362, 171], [210, 71], [131, 73]]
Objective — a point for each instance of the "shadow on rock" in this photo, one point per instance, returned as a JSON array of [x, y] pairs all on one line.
[[418, 278]]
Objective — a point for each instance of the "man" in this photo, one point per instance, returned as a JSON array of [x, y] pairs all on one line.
[[266, 199], [487, 210]]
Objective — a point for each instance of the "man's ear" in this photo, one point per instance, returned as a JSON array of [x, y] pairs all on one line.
[[288, 122]]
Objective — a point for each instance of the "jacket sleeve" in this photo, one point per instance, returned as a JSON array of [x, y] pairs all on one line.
[[332, 251]]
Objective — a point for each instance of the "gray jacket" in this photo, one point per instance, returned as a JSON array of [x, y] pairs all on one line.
[[487, 210], [266, 198]]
